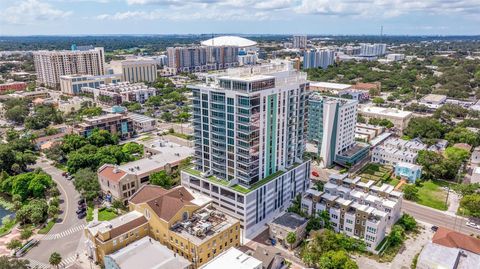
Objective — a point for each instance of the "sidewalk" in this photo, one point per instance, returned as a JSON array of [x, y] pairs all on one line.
[[14, 234]]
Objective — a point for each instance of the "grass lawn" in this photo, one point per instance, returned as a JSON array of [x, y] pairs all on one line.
[[146, 138], [432, 195], [393, 181], [89, 214], [47, 227], [183, 136], [104, 214], [374, 171], [7, 227]]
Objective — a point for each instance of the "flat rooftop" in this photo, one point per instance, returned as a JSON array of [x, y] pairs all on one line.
[[147, 253], [233, 259], [132, 217], [203, 225], [140, 118], [290, 220], [434, 98], [329, 85], [167, 153], [385, 112]]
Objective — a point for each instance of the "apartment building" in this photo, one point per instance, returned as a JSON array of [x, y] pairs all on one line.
[[372, 50], [409, 171], [115, 94], [72, 84], [202, 58], [250, 132], [299, 41], [120, 182], [50, 65], [399, 118], [396, 150], [139, 70], [117, 124], [106, 237], [358, 209], [322, 58], [331, 126], [186, 223]]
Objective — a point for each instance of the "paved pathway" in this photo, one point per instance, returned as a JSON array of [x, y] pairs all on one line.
[[41, 265]]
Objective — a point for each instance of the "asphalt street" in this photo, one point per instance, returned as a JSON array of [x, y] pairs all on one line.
[[438, 218], [65, 235]]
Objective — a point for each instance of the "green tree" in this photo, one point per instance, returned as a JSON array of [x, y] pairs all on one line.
[[457, 154], [378, 100], [162, 179], [14, 244], [336, 260], [407, 222], [397, 235], [132, 148], [410, 192], [13, 263], [26, 233], [463, 135], [55, 259], [17, 114], [166, 116], [86, 183], [471, 203], [52, 211], [291, 239], [425, 128]]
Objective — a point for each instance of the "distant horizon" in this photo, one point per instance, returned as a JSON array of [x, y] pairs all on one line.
[[328, 17], [247, 34]]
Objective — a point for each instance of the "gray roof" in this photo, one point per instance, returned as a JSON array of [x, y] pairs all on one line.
[[290, 220], [147, 253]]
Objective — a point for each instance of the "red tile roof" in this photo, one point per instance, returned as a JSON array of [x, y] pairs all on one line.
[[165, 203], [452, 239], [109, 173]]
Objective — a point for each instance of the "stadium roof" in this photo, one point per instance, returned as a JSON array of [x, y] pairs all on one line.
[[229, 41]]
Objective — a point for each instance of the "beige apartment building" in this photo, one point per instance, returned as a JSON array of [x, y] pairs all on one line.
[[50, 65], [139, 70]]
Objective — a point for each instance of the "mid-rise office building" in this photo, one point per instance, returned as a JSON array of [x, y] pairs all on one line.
[[50, 65], [72, 84], [318, 58], [299, 41], [372, 50], [356, 208], [249, 128], [139, 70], [117, 124], [331, 126]]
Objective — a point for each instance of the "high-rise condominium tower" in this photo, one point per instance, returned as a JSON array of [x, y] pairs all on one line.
[[249, 127], [300, 41], [50, 65], [318, 58]]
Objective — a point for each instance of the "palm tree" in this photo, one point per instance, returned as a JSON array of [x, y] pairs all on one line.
[[55, 259]]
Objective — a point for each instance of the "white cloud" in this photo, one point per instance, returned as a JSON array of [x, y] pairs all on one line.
[[30, 11]]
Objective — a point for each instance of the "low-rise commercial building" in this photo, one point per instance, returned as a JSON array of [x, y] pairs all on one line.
[[356, 208], [121, 182], [146, 253], [395, 57], [433, 101], [13, 86], [142, 123], [287, 223], [367, 132], [233, 259], [399, 118], [117, 124], [329, 87], [72, 84], [396, 150]]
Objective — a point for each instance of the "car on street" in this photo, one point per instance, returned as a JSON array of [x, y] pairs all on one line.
[[82, 214], [434, 228], [473, 225]]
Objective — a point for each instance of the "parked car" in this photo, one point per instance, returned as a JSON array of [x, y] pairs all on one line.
[[82, 206], [81, 201], [64, 174], [434, 228], [473, 225], [82, 214], [80, 210]]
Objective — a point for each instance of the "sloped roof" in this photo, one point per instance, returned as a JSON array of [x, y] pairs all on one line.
[[165, 203], [449, 238]]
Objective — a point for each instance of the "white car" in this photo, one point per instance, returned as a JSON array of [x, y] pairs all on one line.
[[473, 225]]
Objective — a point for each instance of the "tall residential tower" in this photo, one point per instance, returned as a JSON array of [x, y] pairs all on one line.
[[50, 65], [250, 132]]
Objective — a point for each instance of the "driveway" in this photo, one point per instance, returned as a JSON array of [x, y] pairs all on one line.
[[65, 235]]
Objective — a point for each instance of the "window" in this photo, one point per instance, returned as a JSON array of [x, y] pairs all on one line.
[[114, 242]]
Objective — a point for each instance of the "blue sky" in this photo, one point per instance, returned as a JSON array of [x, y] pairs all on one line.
[[78, 17]]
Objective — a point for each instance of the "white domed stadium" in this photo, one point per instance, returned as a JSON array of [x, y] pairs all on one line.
[[227, 40]]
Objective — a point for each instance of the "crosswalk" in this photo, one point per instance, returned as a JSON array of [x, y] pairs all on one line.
[[40, 265], [64, 233]]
